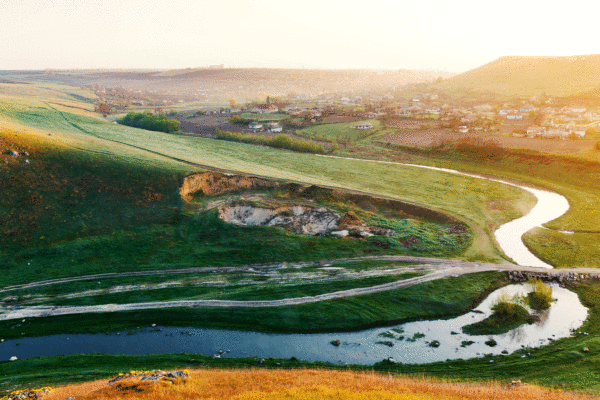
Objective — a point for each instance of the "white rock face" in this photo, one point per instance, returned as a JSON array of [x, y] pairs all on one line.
[[298, 219]]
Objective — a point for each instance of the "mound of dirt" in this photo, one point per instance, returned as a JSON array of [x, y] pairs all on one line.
[[213, 184]]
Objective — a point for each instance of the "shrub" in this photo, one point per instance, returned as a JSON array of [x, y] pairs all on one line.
[[541, 295], [236, 119], [281, 141], [149, 121]]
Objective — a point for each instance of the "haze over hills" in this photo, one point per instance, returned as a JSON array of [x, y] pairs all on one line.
[[235, 82], [530, 76]]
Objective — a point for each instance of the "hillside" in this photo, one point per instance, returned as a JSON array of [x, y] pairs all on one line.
[[530, 76], [292, 384], [232, 82]]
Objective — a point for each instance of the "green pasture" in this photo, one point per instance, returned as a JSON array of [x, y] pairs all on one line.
[[462, 197]]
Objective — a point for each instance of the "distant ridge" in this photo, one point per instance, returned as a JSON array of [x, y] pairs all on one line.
[[530, 76]]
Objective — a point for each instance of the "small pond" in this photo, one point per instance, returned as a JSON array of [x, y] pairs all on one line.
[[565, 315]]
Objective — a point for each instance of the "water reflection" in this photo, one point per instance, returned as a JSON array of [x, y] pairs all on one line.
[[410, 342]]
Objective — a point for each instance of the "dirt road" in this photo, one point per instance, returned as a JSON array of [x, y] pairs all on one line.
[[440, 269]]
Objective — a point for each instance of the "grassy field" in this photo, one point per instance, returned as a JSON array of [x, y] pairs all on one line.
[[300, 385], [343, 132], [435, 299], [561, 365], [254, 291], [573, 175], [462, 197]]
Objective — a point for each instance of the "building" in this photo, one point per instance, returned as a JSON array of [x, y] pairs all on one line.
[[364, 125], [255, 125], [274, 127]]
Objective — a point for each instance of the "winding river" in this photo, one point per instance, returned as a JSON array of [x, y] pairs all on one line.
[[406, 343], [549, 206]]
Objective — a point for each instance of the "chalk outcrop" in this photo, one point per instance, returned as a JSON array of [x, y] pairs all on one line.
[[301, 220]]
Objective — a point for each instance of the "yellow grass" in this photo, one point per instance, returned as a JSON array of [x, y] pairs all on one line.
[[299, 384]]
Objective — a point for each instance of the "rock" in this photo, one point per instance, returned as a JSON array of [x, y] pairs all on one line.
[[391, 359], [13, 153], [153, 325], [13, 358], [26, 161], [335, 342], [585, 349], [343, 233]]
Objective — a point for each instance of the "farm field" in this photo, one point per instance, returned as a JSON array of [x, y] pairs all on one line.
[[421, 138], [343, 132]]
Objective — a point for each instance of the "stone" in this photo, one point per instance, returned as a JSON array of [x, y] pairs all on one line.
[[585, 349], [13, 153], [343, 233], [335, 342]]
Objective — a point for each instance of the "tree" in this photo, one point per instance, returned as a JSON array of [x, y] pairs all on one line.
[[232, 103]]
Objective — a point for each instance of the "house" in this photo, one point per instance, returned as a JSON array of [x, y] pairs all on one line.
[[514, 116], [274, 127], [255, 125], [556, 133], [265, 109], [533, 131], [364, 125]]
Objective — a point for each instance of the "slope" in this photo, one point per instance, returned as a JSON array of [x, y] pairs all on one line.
[[530, 76]]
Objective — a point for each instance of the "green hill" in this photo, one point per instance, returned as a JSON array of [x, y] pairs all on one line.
[[530, 76]]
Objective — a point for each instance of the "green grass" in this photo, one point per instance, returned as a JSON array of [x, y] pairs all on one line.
[[459, 196], [565, 250], [341, 132], [505, 317], [245, 292], [441, 298], [560, 364]]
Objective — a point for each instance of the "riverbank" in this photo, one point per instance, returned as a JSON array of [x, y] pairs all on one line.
[[560, 364], [429, 300]]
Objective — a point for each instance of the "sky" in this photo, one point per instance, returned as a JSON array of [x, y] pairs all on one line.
[[451, 35]]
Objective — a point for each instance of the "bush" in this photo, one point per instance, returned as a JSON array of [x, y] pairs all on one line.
[[149, 121], [597, 146], [236, 119], [281, 141], [508, 313], [540, 297]]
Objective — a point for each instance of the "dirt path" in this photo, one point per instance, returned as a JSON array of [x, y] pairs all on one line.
[[441, 269]]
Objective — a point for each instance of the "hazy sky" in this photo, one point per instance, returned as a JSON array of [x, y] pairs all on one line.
[[448, 35]]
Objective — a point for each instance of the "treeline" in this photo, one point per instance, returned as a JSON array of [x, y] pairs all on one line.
[[280, 141], [149, 121]]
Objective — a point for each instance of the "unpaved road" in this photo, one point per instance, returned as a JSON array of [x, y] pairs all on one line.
[[441, 269]]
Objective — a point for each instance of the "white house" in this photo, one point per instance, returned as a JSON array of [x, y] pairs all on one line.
[[534, 131], [255, 125], [364, 125], [274, 127], [514, 116]]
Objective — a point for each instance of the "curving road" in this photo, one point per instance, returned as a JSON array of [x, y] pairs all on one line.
[[441, 269]]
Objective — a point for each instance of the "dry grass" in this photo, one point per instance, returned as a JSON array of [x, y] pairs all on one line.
[[300, 384]]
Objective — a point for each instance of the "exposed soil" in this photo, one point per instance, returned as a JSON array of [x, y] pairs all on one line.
[[403, 123], [302, 220], [213, 183], [421, 138], [550, 145]]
